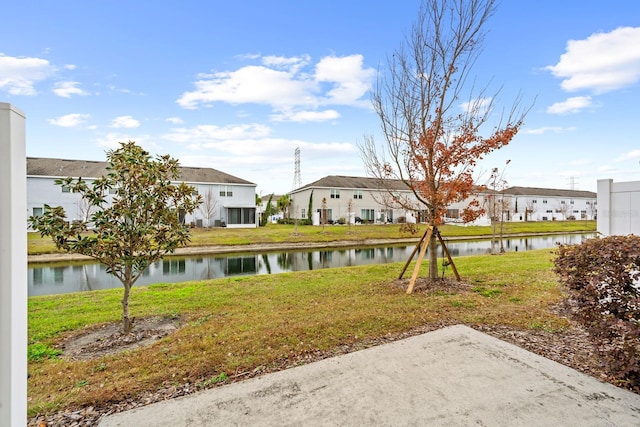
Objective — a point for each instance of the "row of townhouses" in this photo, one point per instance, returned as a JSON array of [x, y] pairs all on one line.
[[231, 201], [362, 198]]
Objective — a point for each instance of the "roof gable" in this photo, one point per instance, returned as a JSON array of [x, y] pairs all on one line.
[[354, 182], [549, 192]]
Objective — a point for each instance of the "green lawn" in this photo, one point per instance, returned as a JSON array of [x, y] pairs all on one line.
[[275, 233], [244, 324]]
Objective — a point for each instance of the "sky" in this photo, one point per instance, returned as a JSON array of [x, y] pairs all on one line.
[[238, 86]]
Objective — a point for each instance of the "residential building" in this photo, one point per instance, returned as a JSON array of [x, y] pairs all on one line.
[[548, 204], [227, 200], [368, 202], [262, 207], [371, 203]]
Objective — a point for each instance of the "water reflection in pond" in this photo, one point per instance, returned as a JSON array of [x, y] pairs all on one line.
[[55, 279]]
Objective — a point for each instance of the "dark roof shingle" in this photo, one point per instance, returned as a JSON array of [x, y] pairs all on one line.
[[550, 192], [39, 166], [354, 182]]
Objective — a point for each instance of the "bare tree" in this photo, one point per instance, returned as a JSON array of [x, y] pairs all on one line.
[[563, 209], [350, 213], [323, 213], [499, 206], [592, 210], [85, 209], [530, 209], [208, 206], [433, 139]]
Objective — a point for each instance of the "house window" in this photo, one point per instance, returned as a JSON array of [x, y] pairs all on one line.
[[534, 201], [303, 213], [357, 194], [226, 191], [453, 213], [571, 201], [335, 194], [37, 212], [549, 211], [562, 202], [66, 189], [544, 201], [367, 214], [241, 216]]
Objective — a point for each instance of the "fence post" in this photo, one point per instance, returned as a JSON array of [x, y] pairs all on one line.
[[13, 267]]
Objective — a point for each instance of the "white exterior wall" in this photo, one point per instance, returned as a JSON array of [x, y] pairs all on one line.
[[244, 197], [43, 190], [581, 208], [339, 206], [618, 207]]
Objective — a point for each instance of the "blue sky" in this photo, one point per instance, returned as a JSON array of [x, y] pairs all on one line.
[[237, 86]]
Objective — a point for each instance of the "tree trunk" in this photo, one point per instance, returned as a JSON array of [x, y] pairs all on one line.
[[127, 323], [433, 257]]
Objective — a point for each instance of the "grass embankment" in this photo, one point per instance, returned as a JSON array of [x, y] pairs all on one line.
[[275, 233], [245, 324]]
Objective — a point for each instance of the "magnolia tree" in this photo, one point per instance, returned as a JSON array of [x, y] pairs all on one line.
[[432, 117], [141, 223]]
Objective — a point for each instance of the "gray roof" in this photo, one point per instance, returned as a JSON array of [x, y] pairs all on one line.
[[550, 192], [39, 166], [354, 182]]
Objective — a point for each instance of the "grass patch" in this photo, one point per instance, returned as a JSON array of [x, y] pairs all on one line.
[[39, 351], [236, 325], [280, 233]]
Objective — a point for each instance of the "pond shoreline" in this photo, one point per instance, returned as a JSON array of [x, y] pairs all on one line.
[[290, 246]]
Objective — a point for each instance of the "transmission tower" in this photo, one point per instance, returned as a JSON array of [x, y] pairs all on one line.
[[573, 184], [297, 180]]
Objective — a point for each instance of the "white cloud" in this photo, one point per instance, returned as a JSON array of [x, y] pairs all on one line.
[[126, 122], [174, 120], [581, 162], [547, 129], [600, 63], [280, 83], [631, 155], [206, 133], [351, 80], [18, 76], [293, 64], [478, 106], [70, 120], [66, 89], [251, 84], [571, 105], [265, 152], [305, 116]]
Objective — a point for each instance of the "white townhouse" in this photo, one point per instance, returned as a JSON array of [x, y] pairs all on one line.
[[227, 200], [371, 203], [364, 199], [548, 204]]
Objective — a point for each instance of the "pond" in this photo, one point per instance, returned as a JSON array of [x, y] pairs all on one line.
[[46, 279]]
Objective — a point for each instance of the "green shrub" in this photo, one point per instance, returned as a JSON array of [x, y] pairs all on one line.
[[602, 280], [39, 351]]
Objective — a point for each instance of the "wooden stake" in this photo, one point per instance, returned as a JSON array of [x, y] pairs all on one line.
[[423, 250], [406, 265]]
